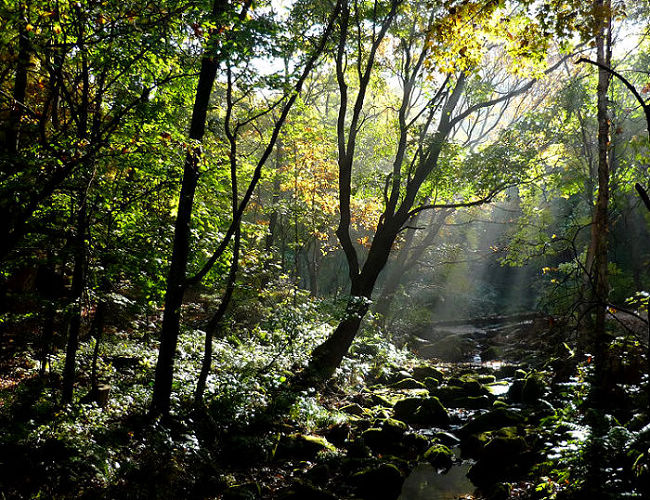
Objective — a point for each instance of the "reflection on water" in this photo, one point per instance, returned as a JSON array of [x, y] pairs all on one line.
[[424, 483]]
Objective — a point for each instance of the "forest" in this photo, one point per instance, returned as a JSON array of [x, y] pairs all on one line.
[[320, 250]]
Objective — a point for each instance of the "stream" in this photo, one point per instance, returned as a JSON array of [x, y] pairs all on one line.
[[425, 482]]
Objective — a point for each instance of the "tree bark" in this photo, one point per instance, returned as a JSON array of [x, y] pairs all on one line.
[[215, 325], [78, 283], [176, 277], [600, 226]]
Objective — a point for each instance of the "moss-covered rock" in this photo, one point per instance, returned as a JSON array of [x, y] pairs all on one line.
[[423, 372], [353, 409], [425, 411], [534, 388], [408, 383], [383, 482], [497, 418], [338, 434], [415, 442], [392, 427], [499, 491], [301, 446], [431, 383], [447, 438], [439, 456]]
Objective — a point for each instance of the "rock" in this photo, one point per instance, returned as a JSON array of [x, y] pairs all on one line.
[[393, 428], [358, 450], [415, 442], [319, 474], [474, 388], [533, 389], [338, 434], [439, 456], [248, 491], [492, 420], [447, 438], [426, 411], [380, 400], [408, 383], [459, 397], [500, 491], [506, 371], [450, 395], [520, 374], [375, 439], [491, 353], [353, 409], [486, 379], [473, 445], [431, 383], [478, 402], [386, 437], [499, 460], [515, 391], [301, 446], [423, 372], [383, 482]]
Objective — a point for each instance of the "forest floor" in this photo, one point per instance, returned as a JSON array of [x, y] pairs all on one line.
[[502, 403]]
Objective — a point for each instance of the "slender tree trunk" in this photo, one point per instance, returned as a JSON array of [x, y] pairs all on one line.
[[12, 133], [178, 267], [176, 277], [600, 226], [215, 325], [98, 332], [78, 282]]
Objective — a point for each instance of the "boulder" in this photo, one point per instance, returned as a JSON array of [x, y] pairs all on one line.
[[408, 383], [425, 411], [499, 491], [301, 446], [423, 372], [431, 383], [353, 409], [447, 438], [459, 397], [338, 434], [415, 442], [439, 456], [533, 389], [383, 482], [497, 418]]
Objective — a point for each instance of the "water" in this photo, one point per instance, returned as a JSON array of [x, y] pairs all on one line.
[[424, 483]]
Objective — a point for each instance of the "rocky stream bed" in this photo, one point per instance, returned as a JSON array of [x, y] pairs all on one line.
[[452, 425]]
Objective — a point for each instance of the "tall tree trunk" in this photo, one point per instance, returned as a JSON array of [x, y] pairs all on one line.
[[178, 267], [600, 226], [12, 133], [78, 282]]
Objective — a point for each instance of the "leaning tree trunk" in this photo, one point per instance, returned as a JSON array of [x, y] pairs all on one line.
[[215, 325]]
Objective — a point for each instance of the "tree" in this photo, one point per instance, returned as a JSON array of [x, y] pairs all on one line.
[[177, 283], [416, 52]]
